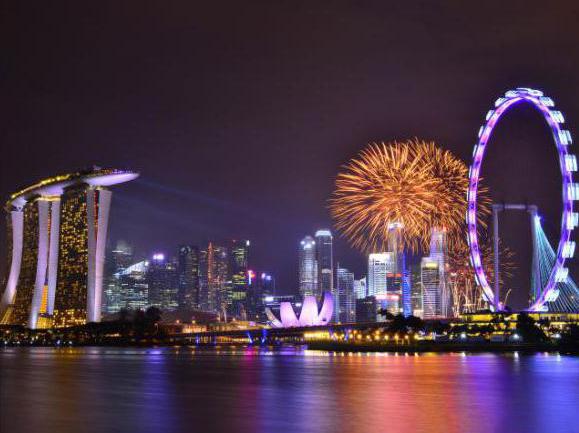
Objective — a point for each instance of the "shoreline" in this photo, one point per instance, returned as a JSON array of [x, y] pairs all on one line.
[[444, 348]]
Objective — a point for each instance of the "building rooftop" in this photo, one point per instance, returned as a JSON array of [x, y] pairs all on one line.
[[54, 186]]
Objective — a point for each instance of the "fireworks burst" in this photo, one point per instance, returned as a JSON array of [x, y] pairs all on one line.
[[414, 183], [466, 295]]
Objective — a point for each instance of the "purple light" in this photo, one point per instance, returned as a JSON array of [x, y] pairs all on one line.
[[554, 119], [309, 315]]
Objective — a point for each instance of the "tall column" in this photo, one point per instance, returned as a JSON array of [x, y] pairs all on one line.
[[496, 209], [105, 197], [537, 287], [98, 207], [42, 261], [91, 215], [17, 222], [53, 253]]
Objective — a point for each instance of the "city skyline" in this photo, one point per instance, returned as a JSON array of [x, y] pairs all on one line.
[[306, 216], [246, 144]]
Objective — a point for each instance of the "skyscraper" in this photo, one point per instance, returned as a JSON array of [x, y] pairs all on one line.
[[204, 300], [134, 286], [261, 286], [215, 279], [438, 252], [360, 288], [325, 262], [431, 290], [120, 258], [346, 298], [163, 283], [380, 265], [221, 280], [57, 230], [416, 291], [308, 268], [239, 278], [400, 283], [188, 275], [31, 282]]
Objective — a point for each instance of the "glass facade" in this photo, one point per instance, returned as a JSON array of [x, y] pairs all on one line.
[[346, 297], [27, 278], [163, 284], [240, 296], [308, 267], [325, 262], [431, 290], [70, 303], [188, 270]]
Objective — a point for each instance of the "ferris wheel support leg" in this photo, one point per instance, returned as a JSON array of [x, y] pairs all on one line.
[[496, 299], [536, 288]]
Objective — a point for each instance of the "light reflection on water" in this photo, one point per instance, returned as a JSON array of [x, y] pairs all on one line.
[[262, 390]]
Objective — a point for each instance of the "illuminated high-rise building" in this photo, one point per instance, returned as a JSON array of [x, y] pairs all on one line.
[[204, 301], [163, 283], [221, 280], [416, 291], [239, 278], [325, 262], [120, 258], [57, 230], [395, 247], [188, 275], [360, 288], [308, 267], [36, 215], [380, 266], [261, 286], [431, 288], [346, 297], [133, 286], [215, 279], [438, 252]]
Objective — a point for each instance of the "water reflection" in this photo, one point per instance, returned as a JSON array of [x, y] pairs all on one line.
[[261, 390]]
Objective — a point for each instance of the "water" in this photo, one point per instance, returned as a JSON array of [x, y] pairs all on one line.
[[85, 390]]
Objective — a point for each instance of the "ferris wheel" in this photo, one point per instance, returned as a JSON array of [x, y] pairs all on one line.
[[569, 219]]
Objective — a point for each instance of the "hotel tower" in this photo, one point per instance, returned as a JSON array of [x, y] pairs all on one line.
[[57, 230]]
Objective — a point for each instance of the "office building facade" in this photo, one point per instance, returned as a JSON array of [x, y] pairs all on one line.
[[188, 262], [345, 310], [163, 283], [360, 288], [308, 267], [381, 268], [119, 259], [431, 288], [325, 262], [240, 296]]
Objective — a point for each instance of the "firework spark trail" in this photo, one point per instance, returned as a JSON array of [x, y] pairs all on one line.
[[414, 183], [466, 295]]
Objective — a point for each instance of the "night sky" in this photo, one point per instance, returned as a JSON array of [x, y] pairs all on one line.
[[239, 114]]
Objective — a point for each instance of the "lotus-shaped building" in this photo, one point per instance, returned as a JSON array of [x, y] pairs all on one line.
[[309, 314]]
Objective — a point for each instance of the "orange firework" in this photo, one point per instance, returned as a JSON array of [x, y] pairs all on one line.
[[466, 295], [413, 183]]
